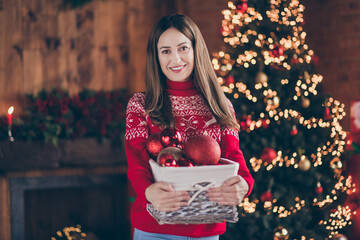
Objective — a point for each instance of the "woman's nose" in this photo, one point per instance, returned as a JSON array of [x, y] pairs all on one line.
[[176, 57]]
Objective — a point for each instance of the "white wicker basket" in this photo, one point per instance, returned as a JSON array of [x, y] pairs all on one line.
[[196, 180]]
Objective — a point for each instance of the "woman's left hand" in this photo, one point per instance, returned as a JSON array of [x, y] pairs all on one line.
[[231, 192]]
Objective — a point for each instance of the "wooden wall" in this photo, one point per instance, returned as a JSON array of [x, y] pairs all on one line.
[[100, 45]]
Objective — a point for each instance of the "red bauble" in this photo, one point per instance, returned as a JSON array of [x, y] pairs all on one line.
[[183, 162], [175, 152], [319, 189], [203, 150], [277, 51], [241, 6], [153, 145], [170, 137], [229, 79], [266, 196], [268, 154], [327, 115], [293, 131], [264, 123]]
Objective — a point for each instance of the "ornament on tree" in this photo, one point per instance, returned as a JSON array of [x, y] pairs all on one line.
[[266, 196], [293, 131], [268, 155], [170, 137], [264, 123], [315, 60], [241, 6], [304, 164], [202, 150], [294, 60], [305, 102], [261, 77], [349, 142], [327, 115], [339, 237], [229, 79], [281, 233], [277, 51], [153, 145], [336, 165], [319, 189]]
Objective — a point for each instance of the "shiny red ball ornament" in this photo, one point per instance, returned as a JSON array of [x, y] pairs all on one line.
[[229, 79], [266, 196], [241, 6], [277, 51], [202, 150], [170, 137], [293, 131], [319, 189], [175, 152], [268, 154], [264, 123], [327, 115], [153, 145]]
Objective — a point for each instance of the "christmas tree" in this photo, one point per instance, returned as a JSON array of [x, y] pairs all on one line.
[[290, 131]]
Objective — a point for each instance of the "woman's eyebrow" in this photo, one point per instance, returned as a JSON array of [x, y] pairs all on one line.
[[176, 45]]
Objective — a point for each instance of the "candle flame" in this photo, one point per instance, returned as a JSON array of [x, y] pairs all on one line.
[[11, 110]]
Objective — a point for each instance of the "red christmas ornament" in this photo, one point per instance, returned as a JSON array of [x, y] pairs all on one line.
[[165, 159], [319, 189], [293, 131], [264, 123], [268, 154], [175, 152], [170, 137], [277, 51], [294, 60], [153, 145], [327, 114], [266, 196], [229, 79], [202, 150], [241, 6], [315, 60]]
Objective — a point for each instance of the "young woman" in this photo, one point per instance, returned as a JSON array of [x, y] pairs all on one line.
[[182, 91]]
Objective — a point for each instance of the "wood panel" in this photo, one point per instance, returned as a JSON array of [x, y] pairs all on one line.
[[5, 227]]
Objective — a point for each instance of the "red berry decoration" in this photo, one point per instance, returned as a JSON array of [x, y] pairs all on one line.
[[277, 51], [170, 137], [153, 145], [202, 150], [266, 196], [241, 6], [268, 154]]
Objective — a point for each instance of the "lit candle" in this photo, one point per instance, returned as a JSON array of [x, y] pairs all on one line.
[[9, 115]]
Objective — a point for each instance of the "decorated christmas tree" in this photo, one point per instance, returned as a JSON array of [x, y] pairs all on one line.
[[290, 130]]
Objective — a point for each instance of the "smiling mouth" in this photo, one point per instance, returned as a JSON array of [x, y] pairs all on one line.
[[177, 68]]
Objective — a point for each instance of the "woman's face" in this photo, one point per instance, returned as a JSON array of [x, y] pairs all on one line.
[[176, 55]]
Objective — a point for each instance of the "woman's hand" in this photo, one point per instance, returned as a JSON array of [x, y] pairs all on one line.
[[231, 192], [164, 198]]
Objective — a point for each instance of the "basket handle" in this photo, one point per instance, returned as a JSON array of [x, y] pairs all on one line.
[[200, 189]]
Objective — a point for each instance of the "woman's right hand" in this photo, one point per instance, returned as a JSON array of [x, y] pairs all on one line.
[[164, 197]]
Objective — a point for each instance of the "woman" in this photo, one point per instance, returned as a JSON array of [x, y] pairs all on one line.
[[181, 91]]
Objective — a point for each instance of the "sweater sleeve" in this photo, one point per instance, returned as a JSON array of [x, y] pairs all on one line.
[[230, 150], [136, 135]]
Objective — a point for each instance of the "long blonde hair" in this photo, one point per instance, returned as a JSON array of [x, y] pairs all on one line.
[[157, 101]]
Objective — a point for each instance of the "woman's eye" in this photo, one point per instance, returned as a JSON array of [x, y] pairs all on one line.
[[183, 48], [165, 51]]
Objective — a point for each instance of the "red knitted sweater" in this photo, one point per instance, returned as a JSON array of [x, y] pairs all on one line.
[[192, 117]]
